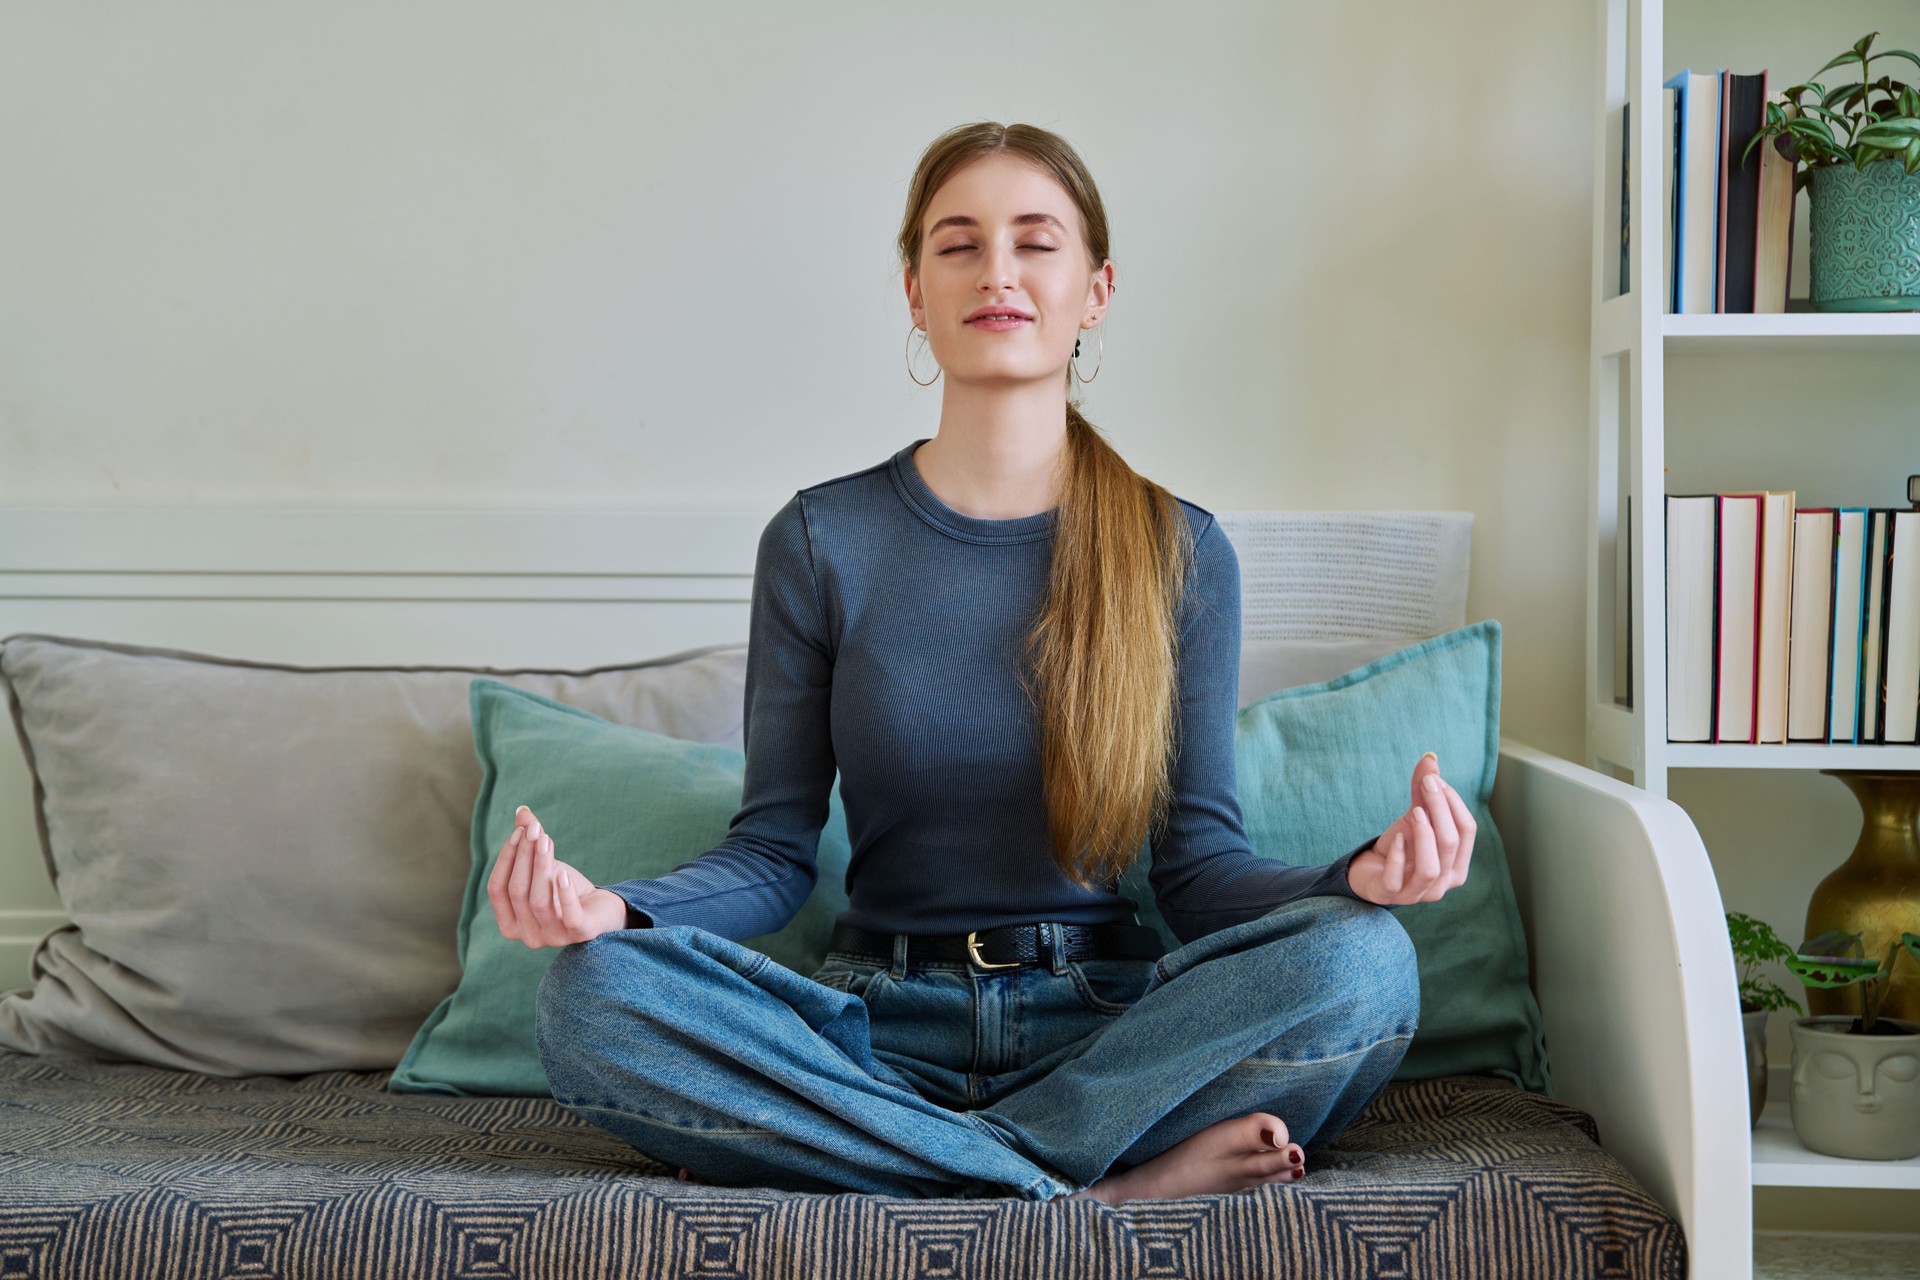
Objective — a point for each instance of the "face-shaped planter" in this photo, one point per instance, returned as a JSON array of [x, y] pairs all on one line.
[[1856, 1096]]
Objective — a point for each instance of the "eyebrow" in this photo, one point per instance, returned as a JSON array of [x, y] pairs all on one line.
[[1024, 220]]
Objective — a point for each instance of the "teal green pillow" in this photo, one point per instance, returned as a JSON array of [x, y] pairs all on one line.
[[1321, 768], [622, 803]]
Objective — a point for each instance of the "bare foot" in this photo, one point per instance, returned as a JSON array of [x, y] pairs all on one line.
[[686, 1175], [1229, 1156]]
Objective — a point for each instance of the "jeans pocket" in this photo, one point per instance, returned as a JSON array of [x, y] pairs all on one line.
[[1110, 987], [847, 974]]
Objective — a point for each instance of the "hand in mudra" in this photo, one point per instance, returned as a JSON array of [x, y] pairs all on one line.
[[1426, 850], [540, 900]]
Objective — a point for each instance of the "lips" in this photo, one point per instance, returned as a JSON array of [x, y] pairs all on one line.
[[996, 312]]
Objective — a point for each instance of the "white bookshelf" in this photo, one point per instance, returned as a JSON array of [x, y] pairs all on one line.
[[1632, 337], [1780, 1161]]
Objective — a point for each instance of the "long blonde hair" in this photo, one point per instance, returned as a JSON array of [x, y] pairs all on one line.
[[1104, 650]]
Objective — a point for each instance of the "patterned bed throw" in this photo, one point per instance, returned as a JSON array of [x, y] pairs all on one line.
[[112, 1170]]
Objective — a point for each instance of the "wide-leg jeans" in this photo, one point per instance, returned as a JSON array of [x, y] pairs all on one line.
[[942, 1079]]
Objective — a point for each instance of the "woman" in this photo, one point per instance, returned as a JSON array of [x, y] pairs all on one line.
[[1021, 658]]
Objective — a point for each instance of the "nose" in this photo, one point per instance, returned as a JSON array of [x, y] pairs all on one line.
[[996, 269]]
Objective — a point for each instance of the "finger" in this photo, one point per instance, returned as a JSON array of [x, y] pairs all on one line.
[[1426, 856], [497, 884], [1445, 835], [1462, 819], [1397, 863]]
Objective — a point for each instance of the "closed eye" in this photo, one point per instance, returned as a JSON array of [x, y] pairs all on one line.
[[1044, 248]]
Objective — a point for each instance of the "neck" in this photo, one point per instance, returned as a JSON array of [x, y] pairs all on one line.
[[996, 459]]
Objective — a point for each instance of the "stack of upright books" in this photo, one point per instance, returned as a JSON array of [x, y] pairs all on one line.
[[1790, 624], [1730, 221]]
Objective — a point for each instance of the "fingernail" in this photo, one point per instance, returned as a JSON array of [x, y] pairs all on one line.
[[1432, 783], [515, 837], [1431, 756], [1420, 816], [517, 812]]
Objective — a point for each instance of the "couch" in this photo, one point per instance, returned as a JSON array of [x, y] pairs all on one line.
[[131, 1160]]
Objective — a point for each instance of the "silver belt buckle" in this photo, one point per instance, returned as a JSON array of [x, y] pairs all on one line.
[[973, 953]]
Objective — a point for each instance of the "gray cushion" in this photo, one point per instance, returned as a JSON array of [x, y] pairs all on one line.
[[263, 864]]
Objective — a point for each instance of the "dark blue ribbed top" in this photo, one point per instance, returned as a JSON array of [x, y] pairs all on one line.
[[886, 629]]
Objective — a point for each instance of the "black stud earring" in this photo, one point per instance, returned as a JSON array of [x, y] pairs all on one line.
[[1076, 348]]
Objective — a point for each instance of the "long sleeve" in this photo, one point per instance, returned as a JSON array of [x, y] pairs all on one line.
[[759, 876], [1204, 873]]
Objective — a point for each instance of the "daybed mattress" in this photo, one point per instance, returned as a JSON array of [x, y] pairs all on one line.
[[124, 1170]]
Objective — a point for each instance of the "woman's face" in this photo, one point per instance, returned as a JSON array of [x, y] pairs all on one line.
[[979, 247]]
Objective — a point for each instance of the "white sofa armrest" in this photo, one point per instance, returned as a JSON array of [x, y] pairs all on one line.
[[1636, 984]]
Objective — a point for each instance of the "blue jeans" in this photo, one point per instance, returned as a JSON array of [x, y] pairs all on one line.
[[946, 1081]]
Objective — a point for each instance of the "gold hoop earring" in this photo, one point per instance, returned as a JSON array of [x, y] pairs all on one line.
[[911, 330], [1101, 340]]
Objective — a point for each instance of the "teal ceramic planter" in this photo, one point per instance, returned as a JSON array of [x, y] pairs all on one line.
[[1864, 241]]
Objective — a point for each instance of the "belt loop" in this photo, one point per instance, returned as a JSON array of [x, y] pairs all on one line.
[[899, 969], [1056, 947]]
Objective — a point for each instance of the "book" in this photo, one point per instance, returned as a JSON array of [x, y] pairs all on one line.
[[1615, 198], [1849, 594], [1742, 112], [1810, 668], [1670, 205], [1690, 616], [1901, 715], [1736, 615], [1774, 617], [1626, 194], [1874, 633], [1696, 189], [1773, 237]]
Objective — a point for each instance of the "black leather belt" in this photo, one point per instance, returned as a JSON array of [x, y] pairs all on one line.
[[1007, 947]]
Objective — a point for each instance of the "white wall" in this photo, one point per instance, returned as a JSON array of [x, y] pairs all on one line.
[[640, 255]]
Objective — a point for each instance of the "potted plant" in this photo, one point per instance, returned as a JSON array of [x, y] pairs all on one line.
[[1856, 1080], [1862, 182], [1755, 944]]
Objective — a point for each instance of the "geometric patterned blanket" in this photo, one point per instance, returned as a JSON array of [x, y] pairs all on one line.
[[114, 1170]]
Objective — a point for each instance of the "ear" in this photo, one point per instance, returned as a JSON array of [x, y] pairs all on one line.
[[1100, 291]]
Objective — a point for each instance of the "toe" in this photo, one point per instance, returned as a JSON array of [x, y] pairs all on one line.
[[1273, 1130]]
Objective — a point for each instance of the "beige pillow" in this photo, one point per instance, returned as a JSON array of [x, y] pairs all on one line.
[[1267, 666], [263, 864]]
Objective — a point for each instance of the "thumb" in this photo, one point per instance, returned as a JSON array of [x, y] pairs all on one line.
[[572, 882], [1426, 764]]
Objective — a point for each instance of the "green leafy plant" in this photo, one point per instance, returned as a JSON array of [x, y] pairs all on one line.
[[1838, 959], [1755, 944], [1887, 128]]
